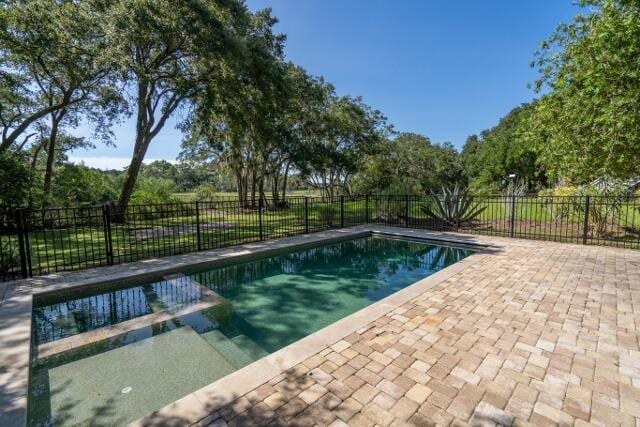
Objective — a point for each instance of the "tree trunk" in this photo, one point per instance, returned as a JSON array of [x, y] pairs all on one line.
[[240, 187], [253, 188], [51, 152], [146, 130], [261, 189], [284, 182], [275, 192], [131, 175]]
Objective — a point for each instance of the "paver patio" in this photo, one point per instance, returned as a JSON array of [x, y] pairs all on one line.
[[536, 334]]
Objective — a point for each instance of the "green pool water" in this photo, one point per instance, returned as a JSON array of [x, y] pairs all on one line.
[[270, 303]]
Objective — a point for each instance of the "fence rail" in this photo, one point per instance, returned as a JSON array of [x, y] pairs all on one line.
[[36, 242]]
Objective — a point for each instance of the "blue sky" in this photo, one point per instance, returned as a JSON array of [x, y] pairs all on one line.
[[441, 68]]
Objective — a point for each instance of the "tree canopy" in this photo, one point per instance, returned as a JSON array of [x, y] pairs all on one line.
[[587, 124], [258, 124]]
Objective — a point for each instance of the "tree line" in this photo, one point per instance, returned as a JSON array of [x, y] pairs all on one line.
[[259, 124], [216, 63]]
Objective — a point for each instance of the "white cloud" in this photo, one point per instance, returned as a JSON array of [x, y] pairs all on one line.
[[106, 162]]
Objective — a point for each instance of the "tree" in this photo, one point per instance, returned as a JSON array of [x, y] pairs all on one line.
[[53, 75], [168, 51], [501, 151], [80, 185], [51, 65], [50, 157], [159, 169], [242, 126], [15, 178], [588, 123], [410, 163], [349, 130]]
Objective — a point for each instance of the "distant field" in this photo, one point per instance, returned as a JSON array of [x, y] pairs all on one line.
[[189, 197]]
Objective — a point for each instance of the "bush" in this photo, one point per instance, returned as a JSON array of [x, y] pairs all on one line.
[[81, 186], [570, 203], [604, 207], [206, 192], [390, 208], [327, 215], [557, 201], [10, 260], [14, 179], [151, 191]]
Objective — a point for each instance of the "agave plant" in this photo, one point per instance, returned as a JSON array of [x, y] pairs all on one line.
[[453, 207]]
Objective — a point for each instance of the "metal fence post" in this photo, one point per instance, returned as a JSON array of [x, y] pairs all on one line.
[[19, 218], [457, 216], [341, 211], [306, 214], [260, 217], [106, 223], [406, 211], [198, 225], [366, 209], [585, 229], [513, 215]]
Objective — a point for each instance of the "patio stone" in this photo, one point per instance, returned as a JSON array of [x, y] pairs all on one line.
[[534, 333]]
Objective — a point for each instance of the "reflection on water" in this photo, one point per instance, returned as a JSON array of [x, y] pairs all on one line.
[[273, 302], [278, 300], [62, 319]]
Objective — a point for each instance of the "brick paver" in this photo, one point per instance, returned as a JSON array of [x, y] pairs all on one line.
[[535, 334]]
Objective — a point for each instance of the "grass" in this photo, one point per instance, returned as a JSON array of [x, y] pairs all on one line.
[[148, 235], [192, 197]]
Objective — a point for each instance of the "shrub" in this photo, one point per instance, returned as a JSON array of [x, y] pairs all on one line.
[[81, 186], [206, 192], [151, 191], [604, 207], [570, 203], [327, 215], [390, 208], [558, 201], [14, 179], [10, 260]]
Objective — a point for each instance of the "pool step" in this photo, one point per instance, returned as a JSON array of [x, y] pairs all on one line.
[[234, 354], [249, 346], [126, 383]]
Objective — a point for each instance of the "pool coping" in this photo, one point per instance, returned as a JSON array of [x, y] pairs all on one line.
[[16, 307]]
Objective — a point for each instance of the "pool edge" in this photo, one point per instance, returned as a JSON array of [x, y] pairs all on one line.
[[15, 334], [201, 403]]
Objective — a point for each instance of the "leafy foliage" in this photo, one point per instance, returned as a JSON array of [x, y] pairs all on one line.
[[80, 185], [206, 192], [10, 260], [604, 207], [588, 124], [501, 151], [150, 191], [408, 164], [14, 179]]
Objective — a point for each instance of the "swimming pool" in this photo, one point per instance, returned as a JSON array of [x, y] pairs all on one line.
[[118, 353]]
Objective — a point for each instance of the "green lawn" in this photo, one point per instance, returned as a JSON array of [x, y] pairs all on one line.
[[191, 197], [149, 234]]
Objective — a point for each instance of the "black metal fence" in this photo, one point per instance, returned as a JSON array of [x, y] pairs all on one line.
[[36, 242]]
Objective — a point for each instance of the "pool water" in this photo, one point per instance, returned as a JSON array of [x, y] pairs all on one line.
[[115, 355]]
